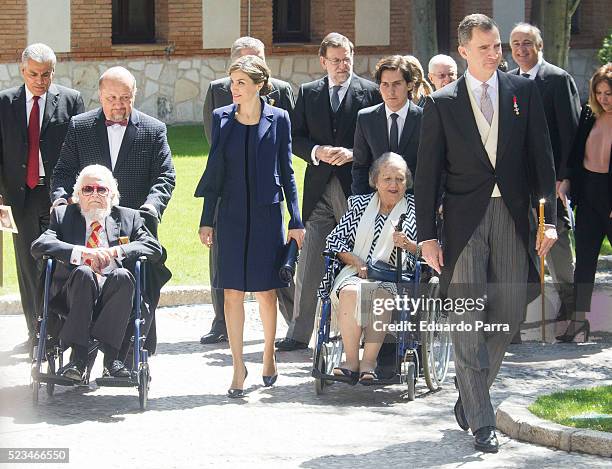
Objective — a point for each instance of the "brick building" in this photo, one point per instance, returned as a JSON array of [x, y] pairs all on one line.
[[175, 48]]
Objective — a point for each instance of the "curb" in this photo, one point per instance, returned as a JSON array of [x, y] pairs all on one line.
[[515, 420]]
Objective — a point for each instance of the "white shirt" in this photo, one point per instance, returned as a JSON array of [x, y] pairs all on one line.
[[476, 87], [341, 94], [534, 71], [41, 111], [401, 119], [115, 137]]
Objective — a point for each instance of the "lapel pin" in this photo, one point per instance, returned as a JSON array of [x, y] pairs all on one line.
[[271, 101], [516, 108]]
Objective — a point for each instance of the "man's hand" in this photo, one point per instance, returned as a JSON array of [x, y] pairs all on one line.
[[543, 244], [340, 156], [206, 235], [99, 259], [563, 188], [432, 253], [323, 153]]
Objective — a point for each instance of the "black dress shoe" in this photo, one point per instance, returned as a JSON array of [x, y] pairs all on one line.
[[74, 370], [116, 370], [235, 393], [459, 412], [288, 345], [485, 440], [213, 338]]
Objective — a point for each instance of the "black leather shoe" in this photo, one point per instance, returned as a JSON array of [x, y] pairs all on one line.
[[73, 370], [235, 393], [289, 345], [116, 370], [459, 412], [485, 440], [213, 338]]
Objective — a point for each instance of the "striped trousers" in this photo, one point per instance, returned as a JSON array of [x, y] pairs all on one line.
[[493, 267]]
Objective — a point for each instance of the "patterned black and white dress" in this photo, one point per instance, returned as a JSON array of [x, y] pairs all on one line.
[[342, 239]]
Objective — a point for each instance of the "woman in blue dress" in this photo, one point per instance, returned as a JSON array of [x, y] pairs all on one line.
[[248, 170]]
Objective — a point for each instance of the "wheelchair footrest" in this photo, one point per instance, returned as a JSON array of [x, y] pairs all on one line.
[[117, 382], [54, 379]]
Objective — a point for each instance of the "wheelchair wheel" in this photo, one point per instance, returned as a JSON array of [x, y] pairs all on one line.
[[51, 371], [320, 383], [409, 365], [410, 381], [329, 358], [436, 344], [143, 385]]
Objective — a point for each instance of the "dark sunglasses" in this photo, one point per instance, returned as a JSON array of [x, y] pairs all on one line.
[[91, 188]]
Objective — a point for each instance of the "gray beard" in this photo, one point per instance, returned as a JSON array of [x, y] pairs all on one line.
[[98, 214]]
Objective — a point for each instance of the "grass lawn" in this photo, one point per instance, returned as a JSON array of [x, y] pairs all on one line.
[[187, 258], [561, 406]]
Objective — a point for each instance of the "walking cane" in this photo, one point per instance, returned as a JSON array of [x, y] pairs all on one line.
[[542, 289]]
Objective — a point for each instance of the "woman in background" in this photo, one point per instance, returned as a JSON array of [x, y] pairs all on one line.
[[422, 88]]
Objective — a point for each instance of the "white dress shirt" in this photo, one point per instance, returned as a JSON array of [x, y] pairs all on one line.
[[401, 119], [534, 71], [41, 110], [341, 94], [115, 137], [476, 88]]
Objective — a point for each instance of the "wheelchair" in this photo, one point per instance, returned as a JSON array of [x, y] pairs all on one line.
[[51, 350], [433, 344]]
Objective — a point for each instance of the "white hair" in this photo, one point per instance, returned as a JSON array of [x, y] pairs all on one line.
[[441, 59], [40, 53], [101, 172], [529, 29], [392, 159], [247, 42]]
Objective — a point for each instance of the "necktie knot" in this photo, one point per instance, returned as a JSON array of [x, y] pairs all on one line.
[[95, 225], [526, 75], [110, 123], [394, 116], [35, 98]]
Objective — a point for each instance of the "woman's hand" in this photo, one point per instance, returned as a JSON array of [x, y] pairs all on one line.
[[297, 234], [563, 189], [206, 235], [400, 240], [361, 266]]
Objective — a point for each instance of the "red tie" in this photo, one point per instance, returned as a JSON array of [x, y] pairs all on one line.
[[94, 238], [32, 174]]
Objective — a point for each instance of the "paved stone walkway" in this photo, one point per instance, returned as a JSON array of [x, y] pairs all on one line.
[[190, 423]]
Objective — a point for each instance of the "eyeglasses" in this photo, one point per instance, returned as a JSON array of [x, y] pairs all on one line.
[[336, 62], [91, 188], [442, 76], [122, 99]]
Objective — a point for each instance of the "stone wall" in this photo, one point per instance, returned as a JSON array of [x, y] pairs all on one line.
[[173, 90]]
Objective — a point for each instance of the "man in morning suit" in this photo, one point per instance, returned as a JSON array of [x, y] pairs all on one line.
[[484, 131], [135, 148], [394, 125], [96, 244], [34, 118], [219, 95], [323, 129], [562, 108]]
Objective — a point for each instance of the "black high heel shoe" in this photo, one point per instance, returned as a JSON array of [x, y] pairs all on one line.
[[584, 327], [235, 393], [270, 380]]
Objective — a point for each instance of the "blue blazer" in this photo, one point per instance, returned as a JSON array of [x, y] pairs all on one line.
[[274, 170]]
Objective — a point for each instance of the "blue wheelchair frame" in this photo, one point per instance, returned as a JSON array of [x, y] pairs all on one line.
[[140, 374]]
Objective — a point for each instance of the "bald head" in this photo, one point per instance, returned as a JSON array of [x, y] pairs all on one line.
[[118, 75]]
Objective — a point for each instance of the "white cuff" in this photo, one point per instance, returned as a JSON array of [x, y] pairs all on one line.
[[76, 257], [313, 156]]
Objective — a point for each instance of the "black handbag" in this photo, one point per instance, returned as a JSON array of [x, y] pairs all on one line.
[[383, 272], [289, 258]]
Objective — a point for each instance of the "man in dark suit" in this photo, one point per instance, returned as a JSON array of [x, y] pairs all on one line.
[[562, 109], [323, 130], [219, 95], [33, 122], [134, 147], [484, 131], [393, 126], [95, 242]]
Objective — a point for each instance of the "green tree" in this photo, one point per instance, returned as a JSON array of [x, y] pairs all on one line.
[[554, 18], [605, 53]]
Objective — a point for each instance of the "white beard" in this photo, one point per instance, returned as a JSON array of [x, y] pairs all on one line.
[[97, 214]]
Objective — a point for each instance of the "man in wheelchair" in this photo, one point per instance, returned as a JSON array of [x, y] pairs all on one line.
[[96, 244]]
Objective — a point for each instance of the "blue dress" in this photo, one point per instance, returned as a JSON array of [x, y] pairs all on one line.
[[248, 232]]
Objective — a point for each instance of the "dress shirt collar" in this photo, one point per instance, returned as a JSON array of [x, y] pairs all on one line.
[[402, 113], [344, 85], [534, 71], [475, 84], [30, 95]]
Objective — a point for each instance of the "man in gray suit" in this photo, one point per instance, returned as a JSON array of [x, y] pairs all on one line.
[[218, 95], [33, 123], [393, 126]]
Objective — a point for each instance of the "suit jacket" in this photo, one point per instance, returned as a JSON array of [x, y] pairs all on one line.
[[451, 142], [144, 170], [67, 230], [561, 107], [274, 171], [313, 124], [575, 163], [61, 104], [219, 94], [372, 140]]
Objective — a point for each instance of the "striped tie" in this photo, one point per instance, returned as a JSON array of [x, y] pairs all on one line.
[[486, 105], [94, 239]]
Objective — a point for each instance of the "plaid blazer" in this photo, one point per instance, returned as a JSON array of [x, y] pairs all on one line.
[[144, 170]]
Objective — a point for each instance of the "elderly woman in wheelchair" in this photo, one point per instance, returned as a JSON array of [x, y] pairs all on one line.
[[367, 235]]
